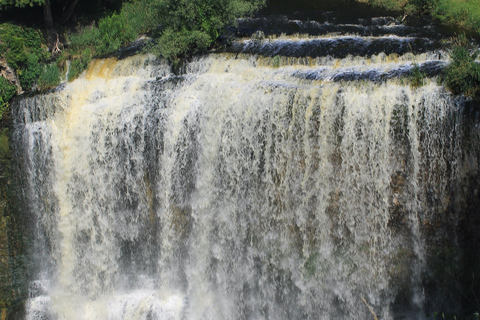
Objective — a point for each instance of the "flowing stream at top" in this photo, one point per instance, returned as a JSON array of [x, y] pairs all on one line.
[[296, 177]]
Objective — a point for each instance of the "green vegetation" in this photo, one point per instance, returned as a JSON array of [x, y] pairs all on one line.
[[464, 13], [395, 5], [112, 33], [185, 27], [423, 6], [276, 61], [462, 76], [463, 73], [79, 63], [7, 91], [417, 77], [67, 9], [24, 49], [180, 28], [191, 26], [49, 77]]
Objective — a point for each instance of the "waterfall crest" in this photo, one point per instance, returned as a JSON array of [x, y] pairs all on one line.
[[246, 187]]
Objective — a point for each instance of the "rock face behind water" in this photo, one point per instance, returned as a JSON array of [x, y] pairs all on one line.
[[268, 181], [13, 277]]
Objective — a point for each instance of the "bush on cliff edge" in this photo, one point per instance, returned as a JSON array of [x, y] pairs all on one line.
[[7, 91], [462, 76]]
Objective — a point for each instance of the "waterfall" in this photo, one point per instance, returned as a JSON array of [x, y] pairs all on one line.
[[247, 187]]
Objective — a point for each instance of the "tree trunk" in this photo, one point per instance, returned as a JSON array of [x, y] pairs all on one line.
[[67, 14], [47, 15]]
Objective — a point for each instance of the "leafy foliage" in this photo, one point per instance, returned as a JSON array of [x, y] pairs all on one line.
[[24, 50], [464, 13], [408, 6], [114, 32], [462, 76], [417, 77], [81, 45], [188, 27], [424, 6], [49, 77], [193, 25], [176, 43], [79, 63], [7, 91], [22, 3], [31, 71], [140, 16], [387, 4]]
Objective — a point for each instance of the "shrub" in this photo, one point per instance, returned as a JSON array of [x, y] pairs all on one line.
[[49, 77], [462, 76], [417, 77], [16, 55], [76, 68], [424, 6], [30, 71], [395, 5], [140, 16], [193, 25], [465, 13], [24, 50], [276, 61], [114, 32], [79, 63], [85, 37], [189, 26], [7, 91], [173, 44], [463, 73]]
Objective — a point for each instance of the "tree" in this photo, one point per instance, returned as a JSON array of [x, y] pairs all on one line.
[[67, 5], [193, 25]]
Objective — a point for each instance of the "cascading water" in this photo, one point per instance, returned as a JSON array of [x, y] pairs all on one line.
[[248, 187]]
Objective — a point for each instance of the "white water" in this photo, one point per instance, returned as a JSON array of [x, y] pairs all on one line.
[[235, 191]]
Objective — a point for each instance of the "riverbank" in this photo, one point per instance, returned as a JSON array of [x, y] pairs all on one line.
[[458, 14]]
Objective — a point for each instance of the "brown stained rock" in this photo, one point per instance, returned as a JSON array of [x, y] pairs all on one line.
[[398, 213], [181, 220], [9, 74]]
